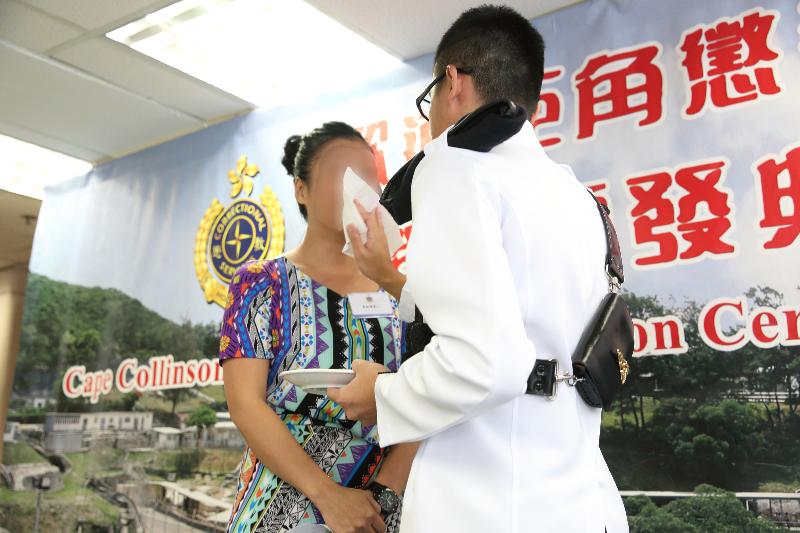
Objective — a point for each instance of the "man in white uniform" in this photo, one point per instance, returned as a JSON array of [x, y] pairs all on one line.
[[506, 263]]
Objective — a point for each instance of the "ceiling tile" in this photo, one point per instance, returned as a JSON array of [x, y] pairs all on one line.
[[92, 14], [27, 27], [136, 72], [46, 96], [412, 28], [40, 138]]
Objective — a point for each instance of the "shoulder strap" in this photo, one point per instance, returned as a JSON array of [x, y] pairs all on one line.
[[614, 270]]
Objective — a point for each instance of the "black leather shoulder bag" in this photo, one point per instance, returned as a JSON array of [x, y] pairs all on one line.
[[600, 363]]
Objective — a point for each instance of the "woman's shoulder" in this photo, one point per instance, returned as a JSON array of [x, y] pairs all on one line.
[[258, 275]]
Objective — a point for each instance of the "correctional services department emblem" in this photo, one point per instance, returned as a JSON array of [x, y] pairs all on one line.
[[230, 236]]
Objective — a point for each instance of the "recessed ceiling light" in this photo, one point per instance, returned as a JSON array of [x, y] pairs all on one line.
[[268, 52]]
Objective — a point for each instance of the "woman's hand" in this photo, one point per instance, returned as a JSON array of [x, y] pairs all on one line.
[[350, 511]]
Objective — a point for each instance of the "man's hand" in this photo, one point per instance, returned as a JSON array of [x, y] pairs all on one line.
[[372, 257], [358, 397]]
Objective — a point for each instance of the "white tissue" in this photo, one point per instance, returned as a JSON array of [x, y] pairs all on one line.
[[355, 188]]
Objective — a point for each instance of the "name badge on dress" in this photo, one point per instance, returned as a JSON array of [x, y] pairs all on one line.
[[370, 304]]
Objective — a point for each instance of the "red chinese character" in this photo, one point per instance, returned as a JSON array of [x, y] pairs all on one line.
[[399, 257], [417, 135], [376, 135], [730, 60], [779, 182], [599, 189], [702, 183], [612, 86], [699, 218], [648, 191], [549, 111]]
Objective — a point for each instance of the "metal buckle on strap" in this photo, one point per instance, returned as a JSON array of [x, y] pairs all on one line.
[[569, 379], [545, 378], [613, 283]]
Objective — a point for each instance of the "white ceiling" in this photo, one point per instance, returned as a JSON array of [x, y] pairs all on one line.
[[412, 28], [65, 86]]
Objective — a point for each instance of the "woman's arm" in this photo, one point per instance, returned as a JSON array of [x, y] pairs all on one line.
[[343, 509], [245, 382]]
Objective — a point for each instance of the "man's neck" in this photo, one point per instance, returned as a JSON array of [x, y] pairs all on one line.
[[459, 119]]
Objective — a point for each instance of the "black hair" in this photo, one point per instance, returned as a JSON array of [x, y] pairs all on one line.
[[299, 152], [504, 49]]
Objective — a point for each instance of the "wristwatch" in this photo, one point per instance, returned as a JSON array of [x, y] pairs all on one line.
[[386, 497]]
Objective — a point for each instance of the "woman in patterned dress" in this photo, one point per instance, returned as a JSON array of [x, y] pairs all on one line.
[[304, 463]]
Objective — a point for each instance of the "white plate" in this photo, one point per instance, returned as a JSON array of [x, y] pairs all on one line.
[[318, 380]]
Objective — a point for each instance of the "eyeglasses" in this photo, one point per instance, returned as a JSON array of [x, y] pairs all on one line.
[[424, 99]]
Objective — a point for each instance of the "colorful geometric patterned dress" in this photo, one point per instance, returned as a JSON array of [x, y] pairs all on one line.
[[274, 311]]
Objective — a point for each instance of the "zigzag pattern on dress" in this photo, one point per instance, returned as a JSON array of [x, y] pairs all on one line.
[[339, 343], [295, 310], [321, 331], [260, 299], [288, 506], [373, 328]]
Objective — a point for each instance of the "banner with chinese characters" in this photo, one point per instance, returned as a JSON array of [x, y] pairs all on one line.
[[682, 116]]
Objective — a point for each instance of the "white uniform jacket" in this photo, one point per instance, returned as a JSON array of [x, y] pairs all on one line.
[[506, 263]]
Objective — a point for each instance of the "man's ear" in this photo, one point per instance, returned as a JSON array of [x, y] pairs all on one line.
[[455, 83]]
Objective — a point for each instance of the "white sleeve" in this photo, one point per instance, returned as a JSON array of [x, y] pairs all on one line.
[[459, 276], [406, 308]]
